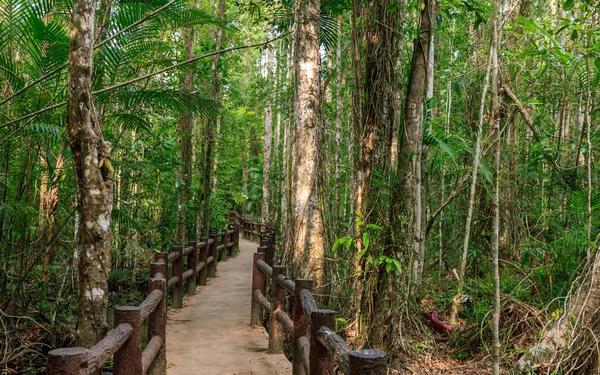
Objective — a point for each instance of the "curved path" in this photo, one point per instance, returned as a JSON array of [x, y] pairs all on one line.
[[212, 334]]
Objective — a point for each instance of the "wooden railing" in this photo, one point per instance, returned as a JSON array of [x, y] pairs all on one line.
[[317, 349], [123, 343]]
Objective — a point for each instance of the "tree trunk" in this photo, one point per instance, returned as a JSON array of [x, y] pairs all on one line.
[[412, 142], [306, 230], [185, 130], [204, 191], [93, 170], [268, 137], [338, 122], [495, 125], [49, 196]]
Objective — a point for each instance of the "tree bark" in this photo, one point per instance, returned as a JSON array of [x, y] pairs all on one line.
[[204, 191], [306, 237], [268, 137], [185, 130], [412, 142], [93, 170]]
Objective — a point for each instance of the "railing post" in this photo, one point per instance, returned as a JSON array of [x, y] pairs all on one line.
[[67, 361], [128, 359], [203, 258], [266, 242], [252, 232], [178, 271], [277, 303], [212, 251], [224, 256], [321, 360], [367, 362], [258, 283], [301, 325], [232, 239], [191, 265], [157, 321]]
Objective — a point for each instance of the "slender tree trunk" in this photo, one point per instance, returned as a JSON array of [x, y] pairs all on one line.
[[49, 196], [185, 130], [412, 143], [338, 122], [268, 137], [474, 169], [209, 131], [91, 159], [495, 125], [215, 177], [307, 237], [399, 86]]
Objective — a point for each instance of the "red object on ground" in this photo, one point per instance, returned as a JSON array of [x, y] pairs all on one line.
[[437, 323]]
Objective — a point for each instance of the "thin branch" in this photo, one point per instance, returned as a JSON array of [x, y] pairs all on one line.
[[119, 85]]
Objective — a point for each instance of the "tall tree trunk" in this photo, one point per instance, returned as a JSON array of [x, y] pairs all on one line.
[[375, 134], [470, 208], [495, 125], [185, 130], [399, 86], [215, 177], [338, 122], [306, 230], [268, 137], [412, 142], [209, 131], [49, 196], [91, 158]]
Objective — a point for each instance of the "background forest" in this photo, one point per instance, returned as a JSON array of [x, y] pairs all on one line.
[[448, 149]]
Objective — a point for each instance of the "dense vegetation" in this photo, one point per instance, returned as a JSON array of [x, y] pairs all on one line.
[[402, 148]]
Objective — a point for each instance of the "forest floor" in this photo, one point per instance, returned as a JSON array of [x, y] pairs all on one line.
[[213, 332]]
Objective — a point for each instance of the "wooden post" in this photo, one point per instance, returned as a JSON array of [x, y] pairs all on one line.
[[237, 238], [178, 271], [224, 256], [232, 237], [321, 360], [266, 242], [212, 251], [191, 265], [128, 359], [258, 283], [367, 362], [203, 258], [67, 361], [277, 303], [301, 325], [157, 321]]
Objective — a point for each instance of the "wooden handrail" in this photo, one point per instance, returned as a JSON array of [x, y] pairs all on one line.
[[123, 343], [317, 348]]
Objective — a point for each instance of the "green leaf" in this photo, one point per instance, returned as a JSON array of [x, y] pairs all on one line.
[[366, 240], [568, 5], [597, 63]]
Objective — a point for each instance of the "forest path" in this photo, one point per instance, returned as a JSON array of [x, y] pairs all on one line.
[[212, 334]]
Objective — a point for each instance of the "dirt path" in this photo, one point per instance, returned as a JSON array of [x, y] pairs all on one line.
[[211, 335]]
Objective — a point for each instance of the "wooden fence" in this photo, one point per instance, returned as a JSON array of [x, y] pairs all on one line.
[[317, 349], [190, 266]]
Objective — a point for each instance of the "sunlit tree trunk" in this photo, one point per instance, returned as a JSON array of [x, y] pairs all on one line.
[[306, 239], [91, 159]]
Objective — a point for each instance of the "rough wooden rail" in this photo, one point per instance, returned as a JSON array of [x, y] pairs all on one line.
[[317, 349], [190, 266]]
